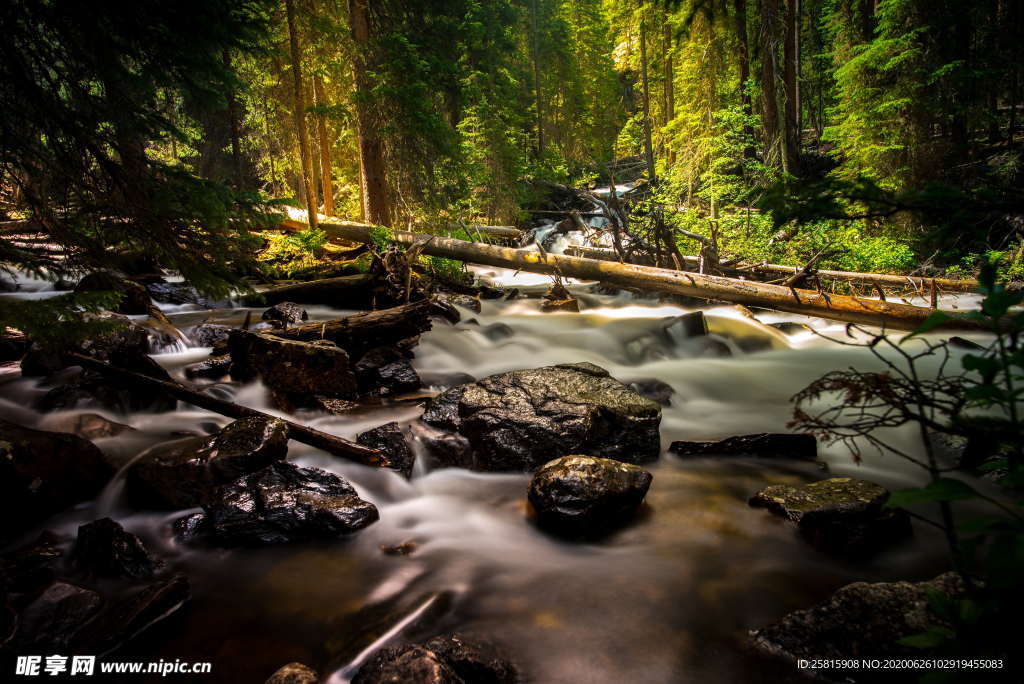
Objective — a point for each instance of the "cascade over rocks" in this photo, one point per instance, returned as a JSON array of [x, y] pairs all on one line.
[[522, 419], [185, 474], [281, 503], [762, 444], [583, 496], [448, 659], [860, 621], [841, 515], [42, 473]]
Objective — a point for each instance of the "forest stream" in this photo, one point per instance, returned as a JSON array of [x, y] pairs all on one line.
[[669, 598]]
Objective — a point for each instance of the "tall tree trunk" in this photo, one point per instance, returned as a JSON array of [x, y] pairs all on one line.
[[236, 146], [670, 86], [538, 101], [326, 145], [744, 56], [768, 39], [648, 147], [791, 86], [376, 208], [299, 110]]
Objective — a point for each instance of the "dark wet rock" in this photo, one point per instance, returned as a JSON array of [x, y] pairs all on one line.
[[134, 297], [42, 473], [586, 496], [790, 327], [191, 528], [290, 366], [655, 390], [55, 617], [123, 339], [213, 368], [571, 305], [453, 659], [860, 621], [13, 344], [284, 314], [208, 334], [465, 301], [522, 419], [390, 439], [692, 324], [186, 473], [126, 619], [445, 449], [445, 379], [294, 673], [26, 570], [105, 549], [181, 293], [285, 503], [840, 515], [497, 331], [488, 292], [763, 444], [91, 426], [386, 371]]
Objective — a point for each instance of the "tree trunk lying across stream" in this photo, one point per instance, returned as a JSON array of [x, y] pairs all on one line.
[[921, 285], [807, 302]]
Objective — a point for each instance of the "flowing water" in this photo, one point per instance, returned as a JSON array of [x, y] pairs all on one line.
[[668, 599]]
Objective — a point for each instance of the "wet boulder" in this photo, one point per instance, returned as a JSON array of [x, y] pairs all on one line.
[[42, 473], [105, 549], [185, 474], [465, 301], [121, 395], [860, 621], [30, 568], [390, 439], [284, 314], [208, 334], [583, 496], [448, 659], [294, 673], [522, 419], [120, 338], [654, 389], [386, 371], [764, 444], [841, 515], [54, 619], [284, 503], [291, 366], [134, 300], [126, 618], [91, 426], [213, 368]]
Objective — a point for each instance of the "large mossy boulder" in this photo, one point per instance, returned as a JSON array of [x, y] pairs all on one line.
[[42, 473], [841, 515], [185, 474], [282, 503], [583, 496], [522, 419], [860, 621]]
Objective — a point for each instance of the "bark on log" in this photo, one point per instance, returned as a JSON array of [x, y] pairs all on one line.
[[916, 283], [511, 233], [300, 433], [360, 332], [806, 302], [345, 292]]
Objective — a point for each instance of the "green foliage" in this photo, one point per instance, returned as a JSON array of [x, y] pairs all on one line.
[[63, 321], [294, 255]]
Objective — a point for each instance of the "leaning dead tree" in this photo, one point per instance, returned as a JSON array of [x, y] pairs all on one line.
[[808, 302]]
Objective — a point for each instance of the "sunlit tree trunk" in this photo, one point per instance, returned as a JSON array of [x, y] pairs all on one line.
[[538, 99], [648, 147], [236, 146], [326, 145], [299, 110], [744, 58], [669, 76], [376, 207], [768, 38]]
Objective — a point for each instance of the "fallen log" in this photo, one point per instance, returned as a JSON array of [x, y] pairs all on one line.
[[344, 292], [916, 283], [510, 233], [806, 302], [362, 331], [300, 433]]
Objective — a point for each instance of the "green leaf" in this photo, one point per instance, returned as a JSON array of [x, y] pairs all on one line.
[[942, 489]]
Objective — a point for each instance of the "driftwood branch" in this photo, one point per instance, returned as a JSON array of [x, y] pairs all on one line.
[[300, 433]]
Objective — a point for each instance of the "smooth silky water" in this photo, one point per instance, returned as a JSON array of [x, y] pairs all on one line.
[[670, 598]]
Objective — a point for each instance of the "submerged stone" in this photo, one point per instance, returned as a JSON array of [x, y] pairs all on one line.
[[762, 444]]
